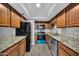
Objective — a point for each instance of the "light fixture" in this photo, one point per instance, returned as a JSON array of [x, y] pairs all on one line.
[[37, 5]]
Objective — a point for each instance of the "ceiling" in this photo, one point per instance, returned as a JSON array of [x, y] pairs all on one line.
[[45, 12]]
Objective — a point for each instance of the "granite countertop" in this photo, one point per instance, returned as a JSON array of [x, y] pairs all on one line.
[[70, 42], [6, 43]]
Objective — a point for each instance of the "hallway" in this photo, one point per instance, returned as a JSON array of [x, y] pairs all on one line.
[[40, 50]]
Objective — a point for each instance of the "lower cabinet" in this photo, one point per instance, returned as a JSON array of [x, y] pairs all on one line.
[[65, 51], [48, 40], [35, 37], [11, 51], [17, 49], [22, 47], [61, 52], [14, 52]]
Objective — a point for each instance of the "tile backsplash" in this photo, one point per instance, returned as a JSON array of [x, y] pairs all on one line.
[[73, 31], [6, 32]]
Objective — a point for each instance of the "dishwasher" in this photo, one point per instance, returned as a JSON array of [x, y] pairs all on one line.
[[54, 44]]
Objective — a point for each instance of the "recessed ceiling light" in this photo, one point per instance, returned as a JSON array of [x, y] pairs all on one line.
[[37, 5]]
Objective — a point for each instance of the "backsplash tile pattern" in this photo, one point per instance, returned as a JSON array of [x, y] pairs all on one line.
[[6, 32], [73, 31]]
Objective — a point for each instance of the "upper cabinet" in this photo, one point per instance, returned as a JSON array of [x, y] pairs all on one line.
[[60, 19], [4, 16], [73, 15], [53, 23], [15, 20], [9, 16], [47, 25], [69, 17]]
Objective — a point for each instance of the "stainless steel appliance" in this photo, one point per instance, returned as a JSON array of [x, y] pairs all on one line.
[[25, 30], [53, 47]]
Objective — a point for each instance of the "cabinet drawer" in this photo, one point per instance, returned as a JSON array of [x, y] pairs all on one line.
[[68, 50]]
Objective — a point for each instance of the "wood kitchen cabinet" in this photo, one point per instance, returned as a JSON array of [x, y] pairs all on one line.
[[35, 37], [22, 47], [61, 52], [4, 16], [15, 20], [65, 51], [68, 17], [46, 26], [48, 40], [60, 19], [17, 49], [73, 14], [12, 51], [53, 23]]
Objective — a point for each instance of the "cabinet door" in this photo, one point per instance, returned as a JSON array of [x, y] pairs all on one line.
[[48, 40], [61, 52], [8, 17], [4, 16], [14, 52], [73, 15], [68, 50], [61, 19], [15, 20], [35, 37], [22, 47], [46, 26]]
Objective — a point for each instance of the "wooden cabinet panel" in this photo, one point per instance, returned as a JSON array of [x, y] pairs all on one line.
[[18, 21], [48, 40], [35, 37], [22, 47], [46, 26], [10, 50], [73, 15], [8, 17], [14, 52], [18, 49], [60, 20], [4, 16], [68, 50], [61, 52], [15, 20]]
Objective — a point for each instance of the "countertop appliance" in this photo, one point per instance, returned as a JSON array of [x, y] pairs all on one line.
[[25, 30]]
